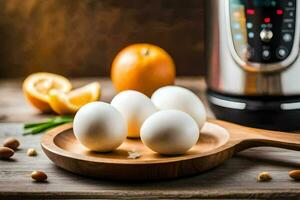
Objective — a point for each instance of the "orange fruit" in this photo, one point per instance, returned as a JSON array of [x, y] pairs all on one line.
[[70, 103], [37, 86], [142, 67]]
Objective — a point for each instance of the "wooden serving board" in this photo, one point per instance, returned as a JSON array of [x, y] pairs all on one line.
[[218, 142]]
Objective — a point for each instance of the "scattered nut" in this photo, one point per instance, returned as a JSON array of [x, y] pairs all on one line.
[[295, 174], [31, 152], [39, 176], [12, 143], [264, 177], [6, 153]]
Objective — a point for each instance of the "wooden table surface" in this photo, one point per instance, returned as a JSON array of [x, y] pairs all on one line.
[[236, 178]]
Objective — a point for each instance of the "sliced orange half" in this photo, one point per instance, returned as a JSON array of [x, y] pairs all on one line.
[[70, 103], [37, 87]]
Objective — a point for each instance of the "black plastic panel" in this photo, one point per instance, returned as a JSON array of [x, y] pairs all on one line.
[[249, 18], [260, 112]]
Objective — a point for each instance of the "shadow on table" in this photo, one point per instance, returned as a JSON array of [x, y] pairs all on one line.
[[272, 156], [212, 177], [239, 170]]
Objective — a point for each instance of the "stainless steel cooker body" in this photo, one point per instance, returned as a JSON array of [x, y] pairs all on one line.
[[253, 62], [232, 74]]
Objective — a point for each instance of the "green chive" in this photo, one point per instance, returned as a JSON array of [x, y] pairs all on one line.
[[39, 127]]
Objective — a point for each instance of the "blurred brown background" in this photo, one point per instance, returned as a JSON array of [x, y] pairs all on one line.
[[81, 37]]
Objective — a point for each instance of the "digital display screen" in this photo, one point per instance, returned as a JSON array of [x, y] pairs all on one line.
[[264, 11], [259, 3], [262, 3], [263, 30]]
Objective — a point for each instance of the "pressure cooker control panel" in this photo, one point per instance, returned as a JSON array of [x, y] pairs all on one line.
[[263, 31]]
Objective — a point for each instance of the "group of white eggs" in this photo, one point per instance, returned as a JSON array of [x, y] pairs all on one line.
[[169, 123]]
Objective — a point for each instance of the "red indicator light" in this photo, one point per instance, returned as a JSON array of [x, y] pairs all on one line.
[[279, 12], [267, 20], [250, 11]]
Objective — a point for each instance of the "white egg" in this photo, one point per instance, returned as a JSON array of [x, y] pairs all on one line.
[[170, 132], [179, 98], [99, 127], [135, 108]]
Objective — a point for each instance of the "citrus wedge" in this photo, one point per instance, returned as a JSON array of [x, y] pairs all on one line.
[[69, 103], [37, 86]]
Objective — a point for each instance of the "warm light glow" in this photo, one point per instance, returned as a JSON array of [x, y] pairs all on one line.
[[250, 11], [279, 12], [237, 15], [267, 20]]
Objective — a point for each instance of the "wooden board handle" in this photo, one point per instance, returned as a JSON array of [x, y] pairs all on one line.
[[246, 137], [270, 138]]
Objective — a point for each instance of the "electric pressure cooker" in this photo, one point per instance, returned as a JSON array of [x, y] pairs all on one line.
[[252, 54]]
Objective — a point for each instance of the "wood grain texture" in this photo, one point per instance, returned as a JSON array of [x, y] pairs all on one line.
[[235, 179], [81, 37], [61, 146], [218, 141]]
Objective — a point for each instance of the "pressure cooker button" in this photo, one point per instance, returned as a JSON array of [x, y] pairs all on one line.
[[287, 37], [282, 52], [287, 27], [291, 13], [266, 54], [266, 35], [249, 25], [251, 35], [290, 3]]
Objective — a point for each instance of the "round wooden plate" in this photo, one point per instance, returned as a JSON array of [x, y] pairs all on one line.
[[218, 142]]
